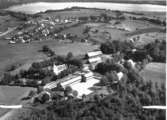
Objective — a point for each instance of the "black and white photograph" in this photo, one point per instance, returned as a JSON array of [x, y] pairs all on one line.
[[83, 60]]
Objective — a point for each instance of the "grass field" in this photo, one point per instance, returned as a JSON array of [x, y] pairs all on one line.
[[150, 37], [134, 25], [156, 72], [12, 95], [23, 53], [146, 30], [8, 21], [77, 30]]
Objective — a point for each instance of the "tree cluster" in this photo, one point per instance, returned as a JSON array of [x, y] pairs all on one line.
[[49, 52], [98, 18], [157, 50], [116, 46], [107, 67], [125, 103]]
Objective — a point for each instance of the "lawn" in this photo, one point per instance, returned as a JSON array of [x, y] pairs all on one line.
[[156, 72], [147, 30], [12, 95], [105, 31], [8, 21], [28, 53], [150, 37], [133, 25], [77, 30]]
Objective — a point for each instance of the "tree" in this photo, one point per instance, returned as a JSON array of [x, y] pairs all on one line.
[[39, 89], [45, 97], [75, 62], [105, 17], [86, 30], [31, 93], [112, 76], [83, 78], [107, 48], [118, 14], [7, 79], [68, 90], [69, 56], [127, 65], [45, 48], [75, 93], [59, 87], [104, 81]]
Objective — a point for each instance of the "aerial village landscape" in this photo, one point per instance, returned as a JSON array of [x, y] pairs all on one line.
[[100, 60]]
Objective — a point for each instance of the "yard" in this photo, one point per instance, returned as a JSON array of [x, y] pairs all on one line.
[[8, 22], [28, 53], [156, 72], [12, 95], [150, 37], [83, 88]]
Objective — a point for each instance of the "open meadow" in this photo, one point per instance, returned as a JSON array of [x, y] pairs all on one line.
[[28, 53], [156, 72], [12, 95]]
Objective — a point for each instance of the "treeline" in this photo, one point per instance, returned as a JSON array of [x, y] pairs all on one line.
[[116, 46], [103, 17], [155, 51], [154, 21], [105, 67]]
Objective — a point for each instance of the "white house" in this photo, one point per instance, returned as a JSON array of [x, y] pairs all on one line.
[[132, 63], [120, 75], [57, 69]]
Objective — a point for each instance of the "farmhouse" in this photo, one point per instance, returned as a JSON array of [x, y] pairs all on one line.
[[120, 75], [57, 69]]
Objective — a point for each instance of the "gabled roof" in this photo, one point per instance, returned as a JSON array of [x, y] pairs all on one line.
[[94, 53], [96, 59]]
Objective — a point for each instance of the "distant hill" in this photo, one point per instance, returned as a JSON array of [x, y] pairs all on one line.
[[7, 3]]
